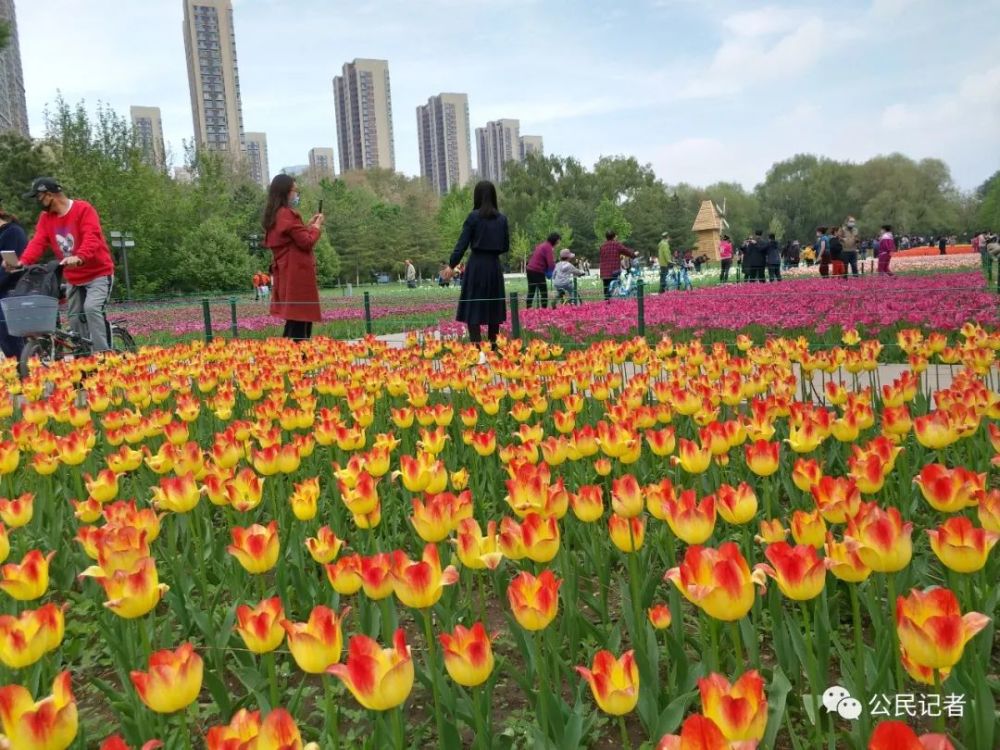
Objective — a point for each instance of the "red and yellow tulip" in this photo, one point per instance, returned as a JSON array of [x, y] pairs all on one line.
[[380, 679], [614, 682], [468, 655], [173, 680]]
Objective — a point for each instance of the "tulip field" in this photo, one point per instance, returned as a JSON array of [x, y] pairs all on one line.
[[261, 545]]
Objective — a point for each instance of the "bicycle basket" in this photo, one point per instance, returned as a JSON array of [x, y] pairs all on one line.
[[30, 315]]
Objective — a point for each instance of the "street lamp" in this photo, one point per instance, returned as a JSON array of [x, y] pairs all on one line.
[[122, 241]]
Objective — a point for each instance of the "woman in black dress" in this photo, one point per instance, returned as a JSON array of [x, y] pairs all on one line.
[[482, 299]]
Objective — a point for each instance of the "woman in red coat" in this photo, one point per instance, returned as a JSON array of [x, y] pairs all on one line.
[[294, 295]]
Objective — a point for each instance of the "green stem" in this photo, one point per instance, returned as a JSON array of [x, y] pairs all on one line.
[[713, 633], [144, 628], [433, 674], [479, 708], [397, 728], [185, 730], [859, 658], [734, 631], [543, 718], [626, 742], [332, 713], [272, 678], [890, 582], [939, 719], [811, 671]]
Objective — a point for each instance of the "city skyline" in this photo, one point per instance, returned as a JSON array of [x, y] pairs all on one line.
[[667, 81]]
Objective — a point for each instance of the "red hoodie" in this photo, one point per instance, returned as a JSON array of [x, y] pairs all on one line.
[[77, 233]]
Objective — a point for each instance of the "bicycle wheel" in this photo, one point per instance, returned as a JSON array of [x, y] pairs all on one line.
[[121, 340], [39, 350]]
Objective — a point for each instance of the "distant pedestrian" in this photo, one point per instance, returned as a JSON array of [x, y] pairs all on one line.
[[773, 259], [539, 268], [837, 265], [850, 239], [410, 274], [756, 259], [943, 245], [809, 256], [610, 260], [725, 258], [14, 239], [563, 276], [663, 256], [482, 301], [886, 247], [822, 247]]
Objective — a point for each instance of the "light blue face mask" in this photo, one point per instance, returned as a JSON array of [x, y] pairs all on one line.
[[295, 200]]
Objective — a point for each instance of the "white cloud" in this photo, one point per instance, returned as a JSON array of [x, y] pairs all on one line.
[[744, 61], [763, 21]]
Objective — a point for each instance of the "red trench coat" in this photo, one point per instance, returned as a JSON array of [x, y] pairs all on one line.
[[294, 293]]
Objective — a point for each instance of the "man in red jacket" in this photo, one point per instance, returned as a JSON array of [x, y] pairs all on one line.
[[72, 230]]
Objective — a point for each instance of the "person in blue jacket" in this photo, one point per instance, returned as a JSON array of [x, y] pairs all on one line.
[[12, 237]]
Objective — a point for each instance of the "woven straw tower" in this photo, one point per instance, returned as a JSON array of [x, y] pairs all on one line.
[[708, 229]]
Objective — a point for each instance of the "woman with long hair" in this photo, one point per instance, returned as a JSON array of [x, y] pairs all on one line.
[[482, 300], [12, 237], [294, 292]]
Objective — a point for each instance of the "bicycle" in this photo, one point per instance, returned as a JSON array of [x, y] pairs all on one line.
[[35, 317]]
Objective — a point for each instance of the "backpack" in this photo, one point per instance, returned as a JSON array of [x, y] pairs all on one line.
[[44, 280]]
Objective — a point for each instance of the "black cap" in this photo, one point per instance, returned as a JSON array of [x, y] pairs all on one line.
[[42, 185]]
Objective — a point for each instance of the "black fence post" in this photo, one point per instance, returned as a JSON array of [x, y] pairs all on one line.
[[368, 313], [515, 317], [232, 313], [206, 311], [640, 298]]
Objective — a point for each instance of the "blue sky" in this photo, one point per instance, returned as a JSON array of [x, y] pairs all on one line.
[[703, 90]]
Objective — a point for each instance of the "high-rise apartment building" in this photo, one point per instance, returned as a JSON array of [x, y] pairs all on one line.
[[321, 163], [363, 103], [445, 142], [531, 144], [213, 77], [149, 134], [256, 151], [496, 144], [13, 109]]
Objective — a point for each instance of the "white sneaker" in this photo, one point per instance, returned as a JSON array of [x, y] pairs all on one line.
[[482, 357]]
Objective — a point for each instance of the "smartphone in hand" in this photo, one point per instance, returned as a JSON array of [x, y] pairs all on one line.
[[320, 209]]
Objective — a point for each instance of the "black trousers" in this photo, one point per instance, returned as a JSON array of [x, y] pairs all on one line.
[[537, 285], [727, 263], [476, 333], [299, 330], [774, 272], [607, 286], [755, 273], [850, 258]]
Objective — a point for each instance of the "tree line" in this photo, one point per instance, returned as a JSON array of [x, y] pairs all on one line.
[[203, 235]]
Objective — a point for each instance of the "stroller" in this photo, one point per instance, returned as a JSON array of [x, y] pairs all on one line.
[[627, 284]]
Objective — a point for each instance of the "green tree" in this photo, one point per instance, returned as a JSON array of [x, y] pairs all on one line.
[[611, 218], [214, 258], [677, 223], [988, 214]]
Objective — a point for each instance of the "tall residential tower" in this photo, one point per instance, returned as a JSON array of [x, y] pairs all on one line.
[[444, 138], [496, 144], [213, 77], [256, 150], [13, 109], [149, 134], [321, 163], [363, 104]]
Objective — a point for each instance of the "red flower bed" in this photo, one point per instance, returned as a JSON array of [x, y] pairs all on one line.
[[916, 252]]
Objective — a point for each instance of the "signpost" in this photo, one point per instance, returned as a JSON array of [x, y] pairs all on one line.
[[122, 241]]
